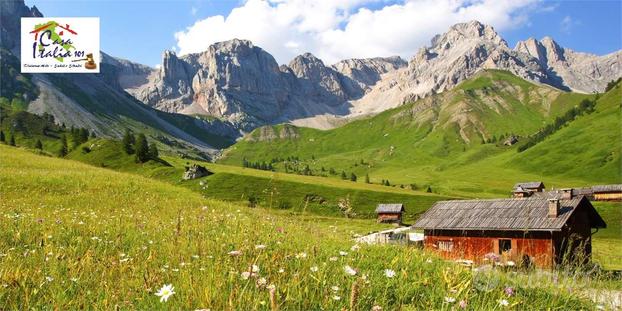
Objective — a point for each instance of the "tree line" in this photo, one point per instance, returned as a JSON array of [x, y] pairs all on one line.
[[586, 106], [139, 146]]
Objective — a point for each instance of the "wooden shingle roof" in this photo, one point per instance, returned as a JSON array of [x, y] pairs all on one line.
[[503, 214], [529, 185], [390, 208], [607, 188]]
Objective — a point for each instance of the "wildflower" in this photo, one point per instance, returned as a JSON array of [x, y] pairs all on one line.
[[195, 256], [389, 273], [510, 263], [428, 260], [355, 247], [281, 270], [462, 304], [335, 288], [349, 270], [503, 302], [75, 280], [509, 291], [49, 278], [376, 308], [336, 297], [314, 269], [245, 275], [165, 292], [450, 299], [342, 253], [235, 253], [301, 255], [254, 268], [261, 282], [332, 258], [260, 246]]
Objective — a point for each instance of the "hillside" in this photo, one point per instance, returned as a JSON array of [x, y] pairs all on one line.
[[95, 227], [273, 190], [454, 141]]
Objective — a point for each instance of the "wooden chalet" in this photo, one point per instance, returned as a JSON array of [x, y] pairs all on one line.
[[531, 231], [390, 213], [607, 192], [527, 189], [594, 193]]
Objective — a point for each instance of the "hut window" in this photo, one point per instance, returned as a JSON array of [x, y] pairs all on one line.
[[505, 245], [446, 246]]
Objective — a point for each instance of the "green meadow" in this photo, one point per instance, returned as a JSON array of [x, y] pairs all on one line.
[[81, 237]]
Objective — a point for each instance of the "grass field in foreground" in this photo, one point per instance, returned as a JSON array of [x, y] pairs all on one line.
[[75, 236]]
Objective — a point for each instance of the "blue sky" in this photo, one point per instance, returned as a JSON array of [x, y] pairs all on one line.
[[141, 30]]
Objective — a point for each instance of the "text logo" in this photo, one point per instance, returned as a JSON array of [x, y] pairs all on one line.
[[60, 44]]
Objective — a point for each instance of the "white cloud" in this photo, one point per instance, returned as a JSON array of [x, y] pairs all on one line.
[[567, 24], [340, 29]]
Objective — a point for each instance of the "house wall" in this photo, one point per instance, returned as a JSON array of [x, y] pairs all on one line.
[[611, 196], [474, 245], [574, 241], [389, 217]]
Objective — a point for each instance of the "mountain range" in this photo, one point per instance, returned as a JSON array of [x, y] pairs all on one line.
[[241, 83], [203, 102]]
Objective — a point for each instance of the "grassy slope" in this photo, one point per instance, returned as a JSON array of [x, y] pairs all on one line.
[[406, 147], [77, 236], [277, 190]]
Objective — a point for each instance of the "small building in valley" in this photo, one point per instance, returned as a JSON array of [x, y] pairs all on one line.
[[531, 231], [607, 192], [527, 189], [390, 213]]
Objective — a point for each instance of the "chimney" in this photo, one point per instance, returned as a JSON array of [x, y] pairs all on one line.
[[553, 208], [566, 194]]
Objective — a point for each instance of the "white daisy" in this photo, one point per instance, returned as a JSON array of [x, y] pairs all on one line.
[[450, 299], [165, 292], [314, 269], [503, 303], [389, 273], [349, 270]]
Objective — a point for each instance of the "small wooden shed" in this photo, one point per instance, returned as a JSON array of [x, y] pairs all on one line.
[[390, 213], [526, 189], [607, 192], [532, 231]]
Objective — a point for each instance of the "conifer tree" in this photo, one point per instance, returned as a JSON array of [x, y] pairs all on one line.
[[153, 151], [141, 148], [352, 177], [12, 140], [39, 145], [2, 138], [128, 141], [63, 146], [367, 179]]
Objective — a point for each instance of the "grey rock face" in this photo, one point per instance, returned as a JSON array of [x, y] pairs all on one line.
[[241, 83], [580, 72], [195, 171], [10, 12]]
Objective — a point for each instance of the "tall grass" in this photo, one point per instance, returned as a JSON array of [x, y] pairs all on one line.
[[79, 237]]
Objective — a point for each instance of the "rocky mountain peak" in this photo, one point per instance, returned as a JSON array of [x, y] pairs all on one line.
[[307, 65], [10, 13], [472, 30]]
